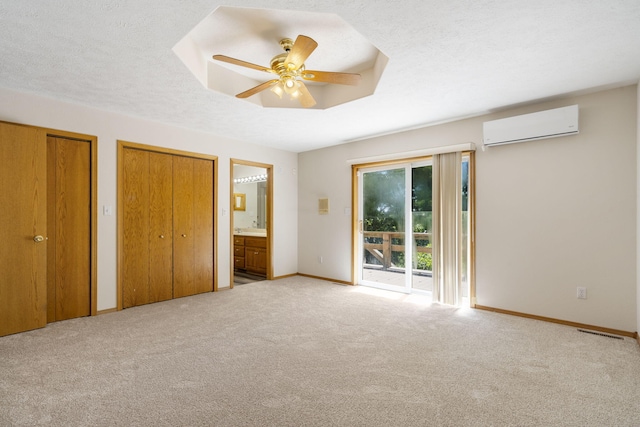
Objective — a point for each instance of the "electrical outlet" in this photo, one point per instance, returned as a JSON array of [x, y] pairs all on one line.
[[582, 292]]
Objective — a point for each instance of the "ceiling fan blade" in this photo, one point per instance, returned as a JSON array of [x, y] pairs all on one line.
[[241, 63], [330, 77], [302, 48], [259, 88], [305, 97]]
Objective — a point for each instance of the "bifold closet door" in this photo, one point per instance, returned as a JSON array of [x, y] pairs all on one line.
[[160, 227], [135, 257], [148, 227], [193, 226], [203, 225], [167, 227]]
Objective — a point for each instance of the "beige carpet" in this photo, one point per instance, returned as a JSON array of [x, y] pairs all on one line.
[[303, 352]]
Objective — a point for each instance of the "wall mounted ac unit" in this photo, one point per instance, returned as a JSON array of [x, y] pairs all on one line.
[[529, 127]]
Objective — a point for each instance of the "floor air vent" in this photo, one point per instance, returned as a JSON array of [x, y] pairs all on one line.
[[601, 334]]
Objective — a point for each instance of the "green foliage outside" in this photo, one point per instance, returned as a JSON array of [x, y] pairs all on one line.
[[422, 224], [384, 209]]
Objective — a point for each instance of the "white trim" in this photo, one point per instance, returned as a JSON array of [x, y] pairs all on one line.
[[467, 146]]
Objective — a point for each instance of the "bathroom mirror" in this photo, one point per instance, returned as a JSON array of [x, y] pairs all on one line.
[[250, 197]]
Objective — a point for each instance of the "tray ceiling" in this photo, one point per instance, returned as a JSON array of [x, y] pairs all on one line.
[[225, 31]]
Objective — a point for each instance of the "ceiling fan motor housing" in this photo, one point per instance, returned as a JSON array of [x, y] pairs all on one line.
[[278, 65]]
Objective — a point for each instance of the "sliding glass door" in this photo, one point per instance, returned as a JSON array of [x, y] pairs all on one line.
[[422, 227], [412, 216], [395, 221], [382, 223]]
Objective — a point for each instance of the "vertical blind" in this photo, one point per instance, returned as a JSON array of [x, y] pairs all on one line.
[[447, 220]]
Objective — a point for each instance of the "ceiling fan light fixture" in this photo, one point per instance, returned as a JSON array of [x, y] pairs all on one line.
[[288, 85], [294, 95], [291, 86], [278, 90]]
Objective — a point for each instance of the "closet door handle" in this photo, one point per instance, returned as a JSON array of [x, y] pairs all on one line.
[[161, 236], [184, 235]]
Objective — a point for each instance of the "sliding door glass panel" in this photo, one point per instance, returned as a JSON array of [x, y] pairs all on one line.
[[383, 228], [421, 225], [466, 232]]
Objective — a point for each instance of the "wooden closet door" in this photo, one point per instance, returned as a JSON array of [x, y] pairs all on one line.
[[183, 242], [135, 257], [193, 226], [23, 216], [69, 225], [203, 225], [161, 227]]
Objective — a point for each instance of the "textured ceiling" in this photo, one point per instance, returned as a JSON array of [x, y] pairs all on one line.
[[447, 59]]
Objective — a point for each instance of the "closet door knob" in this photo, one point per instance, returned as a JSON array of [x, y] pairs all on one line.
[[184, 235], [38, 239], [162, 236]]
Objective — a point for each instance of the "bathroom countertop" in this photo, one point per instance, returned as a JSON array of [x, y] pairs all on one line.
[[251, 234]]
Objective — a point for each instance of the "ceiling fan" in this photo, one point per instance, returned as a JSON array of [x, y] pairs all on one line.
[[289, 67]]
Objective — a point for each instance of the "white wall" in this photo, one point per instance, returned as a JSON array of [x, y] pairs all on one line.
[[324, 174], [551, 214], [109, 127]]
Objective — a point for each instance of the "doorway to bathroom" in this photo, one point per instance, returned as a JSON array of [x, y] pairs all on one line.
[[251, 203]]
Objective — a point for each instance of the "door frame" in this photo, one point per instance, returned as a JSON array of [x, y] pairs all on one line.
[[120, 217], [355, 203], [269, 214]]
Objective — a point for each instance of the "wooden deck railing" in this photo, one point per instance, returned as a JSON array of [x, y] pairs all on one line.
[[391, 242]]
